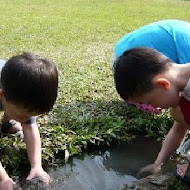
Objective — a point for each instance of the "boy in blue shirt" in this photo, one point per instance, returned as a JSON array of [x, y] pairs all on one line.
[[170, 38], [28, 88]]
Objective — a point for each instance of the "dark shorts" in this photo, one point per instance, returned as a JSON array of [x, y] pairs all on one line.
[[185, 108]]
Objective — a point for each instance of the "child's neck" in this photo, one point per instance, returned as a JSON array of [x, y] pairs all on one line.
[[180, 74]]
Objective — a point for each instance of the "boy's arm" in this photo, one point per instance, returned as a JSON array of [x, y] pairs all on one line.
[[33, 144], [5, 181], [171, 143]]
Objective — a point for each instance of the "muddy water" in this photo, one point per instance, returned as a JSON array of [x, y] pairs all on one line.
[[107, 169]]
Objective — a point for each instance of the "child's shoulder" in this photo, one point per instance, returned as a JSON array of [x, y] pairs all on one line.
[[178, 115]]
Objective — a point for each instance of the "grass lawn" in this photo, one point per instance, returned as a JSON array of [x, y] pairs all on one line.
[[79, 35]]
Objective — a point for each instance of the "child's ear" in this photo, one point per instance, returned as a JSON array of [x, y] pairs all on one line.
[[164, 83]]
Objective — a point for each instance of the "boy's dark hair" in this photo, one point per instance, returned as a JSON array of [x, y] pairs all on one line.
[[135, 69], [30, 81]]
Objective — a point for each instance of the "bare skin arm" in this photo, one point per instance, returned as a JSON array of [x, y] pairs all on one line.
[[171, 143], [6, 183], [33, 144]]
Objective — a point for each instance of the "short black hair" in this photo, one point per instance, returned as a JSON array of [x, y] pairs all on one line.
[[30, 81], [135, 69]]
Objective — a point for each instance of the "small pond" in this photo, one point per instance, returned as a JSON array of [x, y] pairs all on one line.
[[108, 169]]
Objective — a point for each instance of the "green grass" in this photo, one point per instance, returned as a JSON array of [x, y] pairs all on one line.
[[79, 36]]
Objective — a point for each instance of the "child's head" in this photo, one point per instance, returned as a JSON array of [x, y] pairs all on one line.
[[29, 83], [141, 75]]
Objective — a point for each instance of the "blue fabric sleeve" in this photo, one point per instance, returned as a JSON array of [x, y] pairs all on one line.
[[169, 37], [182, 41]]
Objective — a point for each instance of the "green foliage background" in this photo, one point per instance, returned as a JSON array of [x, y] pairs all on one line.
[[79, 36]]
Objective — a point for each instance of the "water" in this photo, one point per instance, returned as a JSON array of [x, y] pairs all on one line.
[[107, 169]]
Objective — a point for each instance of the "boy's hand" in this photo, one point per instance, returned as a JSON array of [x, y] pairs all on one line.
[[7, 184], [39, 173], [150, 169]]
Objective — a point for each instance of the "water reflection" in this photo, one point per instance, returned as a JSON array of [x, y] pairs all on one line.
[[130, 158]]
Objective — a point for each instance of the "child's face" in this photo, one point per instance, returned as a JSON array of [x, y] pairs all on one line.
[[159, 97], [15, 112]]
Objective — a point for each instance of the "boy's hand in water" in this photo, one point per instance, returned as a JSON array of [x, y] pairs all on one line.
[[38, 172], [150, 169], [7, 184]]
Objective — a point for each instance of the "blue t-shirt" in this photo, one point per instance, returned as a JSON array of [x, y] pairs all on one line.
[[169, 37]]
